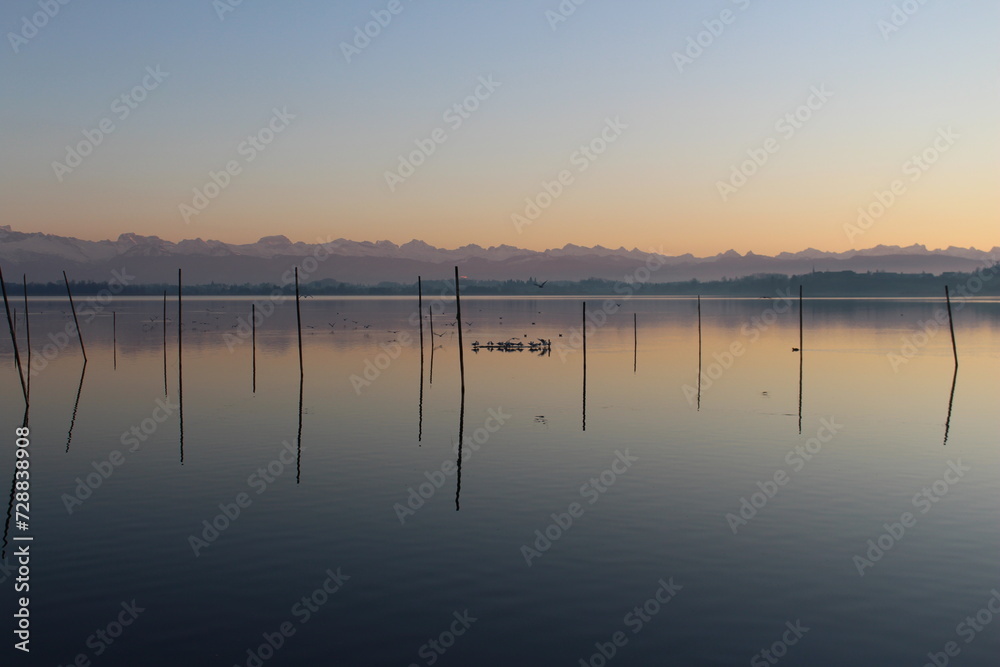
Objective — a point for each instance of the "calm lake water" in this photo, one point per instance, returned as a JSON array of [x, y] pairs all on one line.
[[672, 528]]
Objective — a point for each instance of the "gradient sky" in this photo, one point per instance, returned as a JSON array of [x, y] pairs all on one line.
[[656, 186]]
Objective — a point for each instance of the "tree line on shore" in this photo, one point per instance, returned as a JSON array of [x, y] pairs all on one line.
[[828, 283]]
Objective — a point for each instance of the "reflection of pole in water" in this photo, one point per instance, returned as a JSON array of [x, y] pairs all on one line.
[[180, 360], [72, 306], [13, 338], [583, 322], [951, 325], [461, 434], [951, 400], [27, 341], [253, 347], [10, 502], [10, 509], [430, 320], [800, 390], [76, 405], [699, 352], [635, 337], [420, 418], [298, 438]]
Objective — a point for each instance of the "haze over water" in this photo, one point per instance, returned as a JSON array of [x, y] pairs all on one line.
[[342, 503]]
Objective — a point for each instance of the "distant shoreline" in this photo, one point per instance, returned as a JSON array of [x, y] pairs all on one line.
[[839, 284]]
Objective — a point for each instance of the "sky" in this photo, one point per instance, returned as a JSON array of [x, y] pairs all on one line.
[[679, 126]]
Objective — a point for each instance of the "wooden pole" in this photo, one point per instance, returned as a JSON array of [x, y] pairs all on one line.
[[253, 345], [420, 311], [164, 341], [75, 321], [951, 325], [180, 315], [180, 360], [13, 338], [114, 338], [699, 352], [801, 359], [583, 323], [800, 319], [298, 319], [458, 318]]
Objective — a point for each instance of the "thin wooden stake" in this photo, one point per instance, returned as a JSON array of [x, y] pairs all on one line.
[[801, 359], [180, 359], [75, 321], [298, 319], [699, 352], [951, 325], [253, 344], [13, 338], [635, 336], [164, 342], [583, 322], [458, 317], [800, 319], [114, 338], [420, 311]]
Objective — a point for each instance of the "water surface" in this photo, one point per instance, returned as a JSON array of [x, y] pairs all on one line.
[[345, 455]]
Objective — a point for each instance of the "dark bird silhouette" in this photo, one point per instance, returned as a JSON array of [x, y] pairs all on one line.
[[539, 285]]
